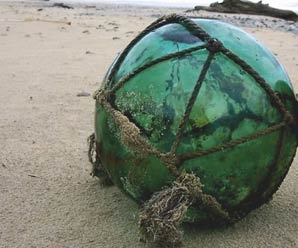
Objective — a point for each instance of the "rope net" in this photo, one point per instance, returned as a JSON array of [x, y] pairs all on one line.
[[161, 215]]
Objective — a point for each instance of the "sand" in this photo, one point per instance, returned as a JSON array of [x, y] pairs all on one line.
[[47, 197]]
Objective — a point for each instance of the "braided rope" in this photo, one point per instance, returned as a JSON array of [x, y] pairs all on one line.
[[265, 182], [275, 99], [190, 25], [129, 76], [191, 102], [232, 143], [162, 21]]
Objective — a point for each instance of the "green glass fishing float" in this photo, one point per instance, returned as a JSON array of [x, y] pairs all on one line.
[[197, 121]]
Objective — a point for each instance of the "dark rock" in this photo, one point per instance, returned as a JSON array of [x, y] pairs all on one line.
[[100, 27], [62, 5]]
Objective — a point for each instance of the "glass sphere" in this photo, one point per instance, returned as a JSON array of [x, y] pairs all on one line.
[[231, 105]]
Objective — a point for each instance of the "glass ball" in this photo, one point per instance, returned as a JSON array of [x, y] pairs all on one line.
[[230, 106]]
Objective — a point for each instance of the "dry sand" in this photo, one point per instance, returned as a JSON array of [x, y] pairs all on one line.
[[47, 198]]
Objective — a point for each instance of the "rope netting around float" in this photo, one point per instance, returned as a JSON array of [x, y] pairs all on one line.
[[165, 210]]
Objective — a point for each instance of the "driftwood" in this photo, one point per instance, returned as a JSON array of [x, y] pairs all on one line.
[[246, 7]]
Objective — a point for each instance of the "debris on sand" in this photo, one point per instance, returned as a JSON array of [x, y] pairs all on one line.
[[62, 5], [247, 7], [83, 94]]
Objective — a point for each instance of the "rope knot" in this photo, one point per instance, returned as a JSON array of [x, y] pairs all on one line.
[[191, 182], [214, 45], [99, 95], [288, 118], [166, 209]]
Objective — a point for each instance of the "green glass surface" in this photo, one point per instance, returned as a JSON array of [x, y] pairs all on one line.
[[230, 105]]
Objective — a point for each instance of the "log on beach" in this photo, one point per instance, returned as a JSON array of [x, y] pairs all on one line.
[[246, 7]]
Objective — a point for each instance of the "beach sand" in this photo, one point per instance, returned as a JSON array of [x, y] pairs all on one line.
[[47, 197]]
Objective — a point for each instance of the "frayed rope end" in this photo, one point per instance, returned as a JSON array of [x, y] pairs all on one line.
[[94, 159], [164, 212]]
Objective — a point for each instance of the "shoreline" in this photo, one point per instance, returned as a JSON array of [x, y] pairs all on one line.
[[240, 20], [169, 4]]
